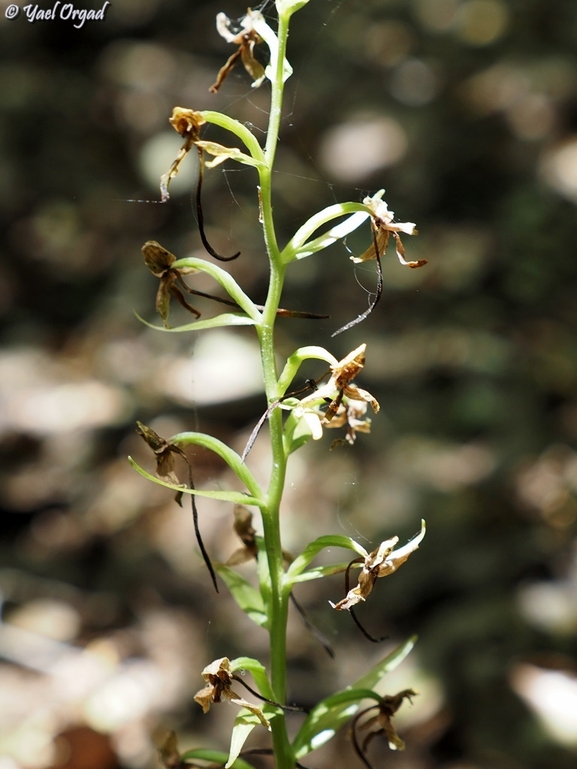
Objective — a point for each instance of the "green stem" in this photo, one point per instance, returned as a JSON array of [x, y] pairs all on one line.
[[271, 521], [277, 91], [271, 512]]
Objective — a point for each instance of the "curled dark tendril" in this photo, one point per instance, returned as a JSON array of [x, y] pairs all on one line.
[[378, 291], [200, 215], [203, 551]]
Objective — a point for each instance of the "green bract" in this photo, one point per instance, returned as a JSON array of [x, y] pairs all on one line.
[[299, 246]]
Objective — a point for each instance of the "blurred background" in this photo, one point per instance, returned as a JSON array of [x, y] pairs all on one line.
[[465, 111]]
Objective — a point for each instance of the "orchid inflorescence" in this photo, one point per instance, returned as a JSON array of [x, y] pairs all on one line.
[[295, 413]]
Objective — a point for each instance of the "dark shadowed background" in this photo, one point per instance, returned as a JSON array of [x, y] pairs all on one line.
[[465, 111]]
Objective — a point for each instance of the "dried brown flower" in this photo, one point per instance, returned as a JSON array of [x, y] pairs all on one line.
[[339, 386], [386, 709], [384, 225], [219, 677], [159, 261], [382, 562], [351, 415], [245, 38], [187, 123]]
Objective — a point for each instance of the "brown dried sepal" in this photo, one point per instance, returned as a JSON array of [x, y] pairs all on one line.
[[342, 377], [164, 452], [247, 534], [187, 122]]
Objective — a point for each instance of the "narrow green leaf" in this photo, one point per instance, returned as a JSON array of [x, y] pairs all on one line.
[[330, 714], [244, 723], [247, 597], [224, 319], [331, 236], [314, 548], [238, 497], [390, 662], [215, 757], [321, 571], [299, 248], [328, 717]]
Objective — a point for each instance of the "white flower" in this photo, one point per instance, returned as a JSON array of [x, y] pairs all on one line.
[[383, 226]]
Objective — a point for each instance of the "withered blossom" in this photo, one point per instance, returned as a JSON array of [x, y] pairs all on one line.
[[339, 386], [245, 38], [351, 415], [164, 452], [159, 261], [169, 754], [188, 123], [247, 534], [386, 709], [382, 562], [384, 226], [219, 677]]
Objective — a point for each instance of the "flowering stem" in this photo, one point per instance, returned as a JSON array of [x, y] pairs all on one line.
[[277, 90], [278, 610]]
